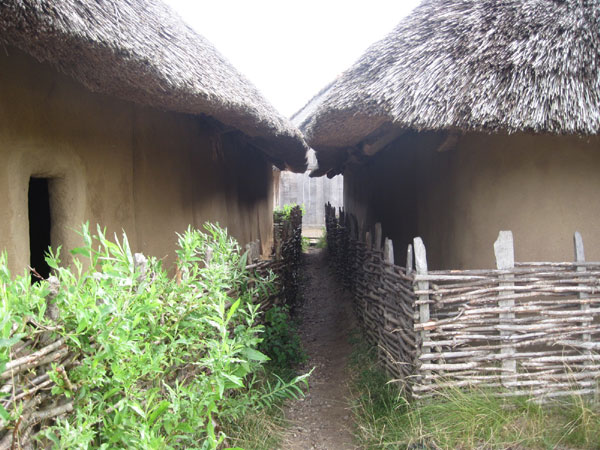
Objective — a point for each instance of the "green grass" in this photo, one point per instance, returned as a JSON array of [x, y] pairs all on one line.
[[322, 242], [305, 244], [463, 419], [257, 431]]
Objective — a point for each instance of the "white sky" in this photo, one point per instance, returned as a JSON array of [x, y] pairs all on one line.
[[291, 49]]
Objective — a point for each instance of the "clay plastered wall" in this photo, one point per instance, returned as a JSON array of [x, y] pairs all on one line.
[[543, 188], [127, 167]]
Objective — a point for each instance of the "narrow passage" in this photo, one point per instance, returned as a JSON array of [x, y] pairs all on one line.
[[323, 419]]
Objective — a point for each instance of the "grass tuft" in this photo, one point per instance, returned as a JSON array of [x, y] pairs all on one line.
[[463, 418], [258, 431]]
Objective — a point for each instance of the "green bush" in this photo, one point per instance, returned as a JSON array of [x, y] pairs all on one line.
[[283, 212], [281, 342], [305, 243], [161, 361]]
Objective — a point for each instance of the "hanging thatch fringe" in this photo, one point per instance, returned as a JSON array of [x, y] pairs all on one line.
[[463, 65], [142, 51]]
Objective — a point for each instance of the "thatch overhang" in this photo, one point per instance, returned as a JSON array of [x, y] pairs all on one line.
[[141, 51], [497, 66]]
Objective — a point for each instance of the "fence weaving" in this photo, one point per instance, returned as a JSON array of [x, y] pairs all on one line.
[[525, 328], [521, 329], [382, 292]]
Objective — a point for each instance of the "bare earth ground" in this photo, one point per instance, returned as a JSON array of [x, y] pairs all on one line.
[[323, 420]]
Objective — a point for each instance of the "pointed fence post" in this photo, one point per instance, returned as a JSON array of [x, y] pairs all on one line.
[[388, 251], [505, 260], [378, 234], [584, 306], [421, 268], [409, 259]]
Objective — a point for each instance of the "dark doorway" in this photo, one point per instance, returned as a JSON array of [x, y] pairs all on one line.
[[39, 225]]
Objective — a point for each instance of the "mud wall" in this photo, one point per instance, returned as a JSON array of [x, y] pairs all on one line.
[[541, 187], [127, 167]]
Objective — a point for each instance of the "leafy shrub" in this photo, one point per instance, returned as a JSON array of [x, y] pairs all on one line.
[[283, 212], [161, 361], [281, 341], [305, 243]]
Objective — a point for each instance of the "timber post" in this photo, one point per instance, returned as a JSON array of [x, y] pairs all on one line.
[[423, 299], [368, 240], [388, 251], [378, 234], [505, 260], [584, 306]]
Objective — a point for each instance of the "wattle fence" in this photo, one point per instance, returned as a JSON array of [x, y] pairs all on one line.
[[383, 292], [520, 329]]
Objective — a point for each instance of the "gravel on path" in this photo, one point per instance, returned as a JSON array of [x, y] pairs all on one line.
[[323, 420]]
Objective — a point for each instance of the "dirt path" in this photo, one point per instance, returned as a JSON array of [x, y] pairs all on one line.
[[322, 420]]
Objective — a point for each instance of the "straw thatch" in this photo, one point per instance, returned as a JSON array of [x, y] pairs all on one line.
[[141, 51], [487, 65]]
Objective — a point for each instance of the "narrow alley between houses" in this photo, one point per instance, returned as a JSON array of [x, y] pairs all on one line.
[[323, 420]]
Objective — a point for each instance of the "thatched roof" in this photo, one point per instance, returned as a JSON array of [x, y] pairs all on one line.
[[487, 65], [141, 51]]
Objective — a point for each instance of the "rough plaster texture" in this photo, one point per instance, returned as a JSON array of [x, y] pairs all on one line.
[[148, 172], [543, 188]]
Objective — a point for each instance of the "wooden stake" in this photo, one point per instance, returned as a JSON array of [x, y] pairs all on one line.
[[421, 267], [388, 251], [505, 260], [378, 234], [409, 259], [585, 307]]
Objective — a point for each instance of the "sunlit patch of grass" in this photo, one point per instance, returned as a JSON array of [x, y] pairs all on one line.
[[463, 418]]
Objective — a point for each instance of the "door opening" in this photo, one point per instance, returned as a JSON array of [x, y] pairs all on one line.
[[39, 225]]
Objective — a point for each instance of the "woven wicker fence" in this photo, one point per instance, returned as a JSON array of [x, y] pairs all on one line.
[[26, 381], [523, 328], [287, 253], [383, 293]]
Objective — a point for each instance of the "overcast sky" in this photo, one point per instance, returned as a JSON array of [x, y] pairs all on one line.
[[291, 49]]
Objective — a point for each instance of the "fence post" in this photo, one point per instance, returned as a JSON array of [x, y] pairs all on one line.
[[409, 259], [368, 241], [585, 307], [388, 258], [388, 251], [378, 234], [253, 249], [421, 267], [505, 260]]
